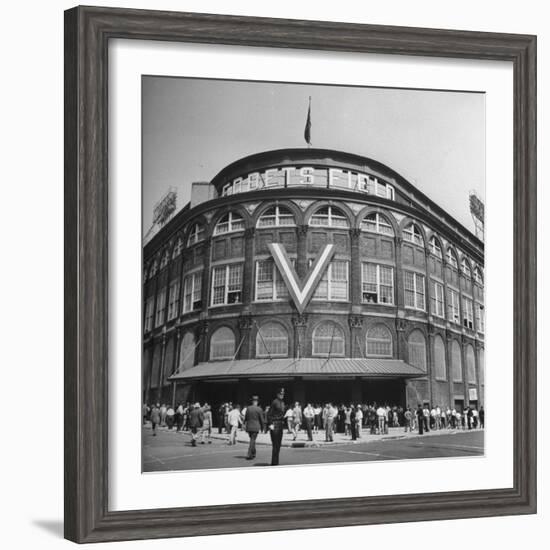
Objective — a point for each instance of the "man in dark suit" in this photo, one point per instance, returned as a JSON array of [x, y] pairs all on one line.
[[275, 420], [253, 424], [196, 420]]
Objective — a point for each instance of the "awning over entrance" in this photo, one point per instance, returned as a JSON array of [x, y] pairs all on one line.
[[288, 368]]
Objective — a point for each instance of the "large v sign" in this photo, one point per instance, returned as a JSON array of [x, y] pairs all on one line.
[[301, 291]]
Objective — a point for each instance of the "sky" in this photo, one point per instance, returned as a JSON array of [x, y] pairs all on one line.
[[192, 128]]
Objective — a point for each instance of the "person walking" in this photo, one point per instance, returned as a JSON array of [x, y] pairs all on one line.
[[381, 415], [347, 420], [352, 423], [275, 420], [482, 417], [420, 419], [309, 416], [235, 421], [426, 417], [221, 417], [317, 421], [475, 414], [228, 408], [170, 413], [331, 414], [155, 418], [196, 420], [289, 417], [358, 421], [206, 431], [296, 419], [253, 424], [408, 420], [145, 410], [469, 417], [163, 410], [179, 418]]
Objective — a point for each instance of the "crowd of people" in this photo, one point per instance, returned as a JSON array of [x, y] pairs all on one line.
[[350, 420]]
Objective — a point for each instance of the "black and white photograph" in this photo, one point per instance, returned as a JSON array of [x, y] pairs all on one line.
[[313, 273]]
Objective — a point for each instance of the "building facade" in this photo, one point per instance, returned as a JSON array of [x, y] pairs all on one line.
[[395, 316]]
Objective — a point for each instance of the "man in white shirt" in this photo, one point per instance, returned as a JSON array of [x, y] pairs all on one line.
[[234, 419], [381, 415], [438, 418], [358, 420], [309, 415], [426, 418], [458, 417], [475, 415], [331, 413], [289, 418]]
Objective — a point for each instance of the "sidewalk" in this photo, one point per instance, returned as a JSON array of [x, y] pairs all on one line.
[[319, 438]]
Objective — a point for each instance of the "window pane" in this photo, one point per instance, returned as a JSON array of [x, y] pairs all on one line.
[[417, 350], [456, 357], [379, 341], [439, 358], [222, 344], [264, 280], [471, 364], [328, 338], [272, 340]]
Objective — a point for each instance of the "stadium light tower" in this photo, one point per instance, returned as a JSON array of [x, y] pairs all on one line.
[[477, 209], [163, 211]]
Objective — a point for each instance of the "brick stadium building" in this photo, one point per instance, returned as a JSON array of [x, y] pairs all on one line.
[[396, 315]]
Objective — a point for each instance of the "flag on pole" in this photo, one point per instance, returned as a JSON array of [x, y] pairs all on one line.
[[307, 131]]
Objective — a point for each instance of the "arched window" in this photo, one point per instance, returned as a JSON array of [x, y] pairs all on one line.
[[329, 216], [169, 352], [417, 350], [377, 224], [164, 260], [451, 258], [196, 235], [478, 275], [145, 368], [154, 268], [412, 234], [177, 248], [228, 223], [470, 364], [481, 366], [187, 351], [456, 361], [276, 216], [379, 342], [222, 344], [440, 361], [328, 339], [435, 248], [466, 270], [271, 341], [155, 368]]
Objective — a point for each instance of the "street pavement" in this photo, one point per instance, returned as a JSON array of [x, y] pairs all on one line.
[[169, 450]]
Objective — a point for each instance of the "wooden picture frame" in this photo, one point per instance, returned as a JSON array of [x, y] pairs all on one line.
[[87, 34]]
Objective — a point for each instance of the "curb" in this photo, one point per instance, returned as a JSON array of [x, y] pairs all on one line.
[[318, 444]]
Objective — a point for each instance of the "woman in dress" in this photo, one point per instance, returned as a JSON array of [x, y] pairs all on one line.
[[206, 424], [155, 418]]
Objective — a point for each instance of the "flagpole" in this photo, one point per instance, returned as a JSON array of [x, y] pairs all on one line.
[[307, 130], [309, 111]]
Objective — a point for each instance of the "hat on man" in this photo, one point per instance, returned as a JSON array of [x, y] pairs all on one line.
[[254, 398]]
